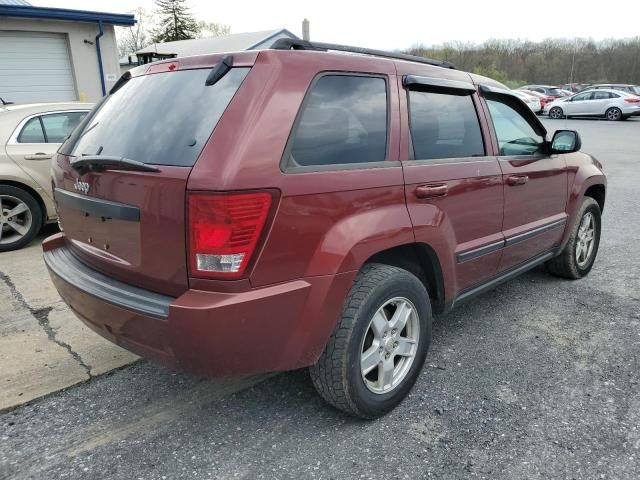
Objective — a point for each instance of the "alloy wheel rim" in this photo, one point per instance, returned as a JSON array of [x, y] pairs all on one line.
[[613, 114], [555, 113], [390, 345], [15, 219], [586, 239]]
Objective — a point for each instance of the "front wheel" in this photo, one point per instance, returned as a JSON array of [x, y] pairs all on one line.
[[579, 254], [378, 348], [613, 114], [556, 113], [20, 218]]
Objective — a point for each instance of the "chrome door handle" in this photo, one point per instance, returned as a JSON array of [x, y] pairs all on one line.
[[517, 179], [38, 156], [431, 191]]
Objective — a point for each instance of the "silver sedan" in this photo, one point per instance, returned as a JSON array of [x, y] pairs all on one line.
[[607, 103]]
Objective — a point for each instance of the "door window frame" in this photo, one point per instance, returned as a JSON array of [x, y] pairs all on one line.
[[13, 139], [530, 117], [444, 87]]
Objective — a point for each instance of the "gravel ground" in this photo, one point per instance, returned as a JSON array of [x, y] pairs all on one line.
[[538, 379]]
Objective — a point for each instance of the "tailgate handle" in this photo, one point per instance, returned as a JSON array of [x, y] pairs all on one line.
[[431, 191], [38, 156]]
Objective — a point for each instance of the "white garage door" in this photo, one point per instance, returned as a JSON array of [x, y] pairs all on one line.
[[35, 67]]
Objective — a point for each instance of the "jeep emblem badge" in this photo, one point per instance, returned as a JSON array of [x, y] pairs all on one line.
[[81, 186]]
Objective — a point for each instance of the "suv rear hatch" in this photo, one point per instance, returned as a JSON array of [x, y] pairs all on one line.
[[123, 213]]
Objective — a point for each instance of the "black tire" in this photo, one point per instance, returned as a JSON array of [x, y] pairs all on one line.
[[556, 113], [566, 264], [35, 213], [613, 114], [337, 375]]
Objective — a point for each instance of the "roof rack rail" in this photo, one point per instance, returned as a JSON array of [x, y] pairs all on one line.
[[296, 44]]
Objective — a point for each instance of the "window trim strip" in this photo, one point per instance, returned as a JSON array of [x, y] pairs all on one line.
[[439, 85]]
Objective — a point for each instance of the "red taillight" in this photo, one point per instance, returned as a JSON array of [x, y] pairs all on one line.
[[224, 230], [632, 100]]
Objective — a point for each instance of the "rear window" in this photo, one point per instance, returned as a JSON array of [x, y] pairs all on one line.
[[160, 119]]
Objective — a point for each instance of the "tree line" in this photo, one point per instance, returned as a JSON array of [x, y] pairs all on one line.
[[170, 20], [551, 61]]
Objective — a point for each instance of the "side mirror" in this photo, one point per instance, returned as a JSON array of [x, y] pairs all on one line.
[[565, 141]]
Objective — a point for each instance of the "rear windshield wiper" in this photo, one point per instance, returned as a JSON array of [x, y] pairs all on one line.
[[97, 163]]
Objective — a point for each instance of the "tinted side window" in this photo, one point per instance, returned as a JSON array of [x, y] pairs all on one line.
[[583, 96], [444, 126], [515, 135], [601, 95], [32, 132], [344, 121], [58, 125]]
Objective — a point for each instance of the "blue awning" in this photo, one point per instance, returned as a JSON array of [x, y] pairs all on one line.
[[66, 14]]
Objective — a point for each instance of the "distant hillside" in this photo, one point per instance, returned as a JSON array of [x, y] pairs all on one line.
[[551, 61]]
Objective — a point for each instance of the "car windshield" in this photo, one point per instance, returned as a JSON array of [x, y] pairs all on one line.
[[160, 119]]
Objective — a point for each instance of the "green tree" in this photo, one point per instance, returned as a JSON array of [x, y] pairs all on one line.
[[175, 22], [492, 72]]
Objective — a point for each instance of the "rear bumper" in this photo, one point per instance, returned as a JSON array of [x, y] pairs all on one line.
[[280, 327]]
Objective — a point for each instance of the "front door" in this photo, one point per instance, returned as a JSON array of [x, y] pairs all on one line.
[[453, 184], [580, 104], [535, 184]]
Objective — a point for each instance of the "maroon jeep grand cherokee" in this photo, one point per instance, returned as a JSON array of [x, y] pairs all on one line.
[[301, 207]]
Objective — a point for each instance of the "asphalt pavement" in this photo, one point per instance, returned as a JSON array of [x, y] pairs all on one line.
[[537, 379]]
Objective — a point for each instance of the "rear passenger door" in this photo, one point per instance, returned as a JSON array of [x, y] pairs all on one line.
[[453, 182], [535, 184], [37, 138], [600, 101]]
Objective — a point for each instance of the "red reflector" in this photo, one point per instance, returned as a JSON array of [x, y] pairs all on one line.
[[162, 67], [224, 231]]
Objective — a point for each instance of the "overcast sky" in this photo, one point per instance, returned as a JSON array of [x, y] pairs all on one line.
[[401, 24]]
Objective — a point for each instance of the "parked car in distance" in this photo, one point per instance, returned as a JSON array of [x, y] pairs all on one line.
[[532, 101], [279, 218], [541, 96], [30, 134], [607, 103], [633, 89], [549, 91], [574, 87]]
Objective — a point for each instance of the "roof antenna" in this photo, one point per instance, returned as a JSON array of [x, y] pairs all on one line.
[[4, 102]]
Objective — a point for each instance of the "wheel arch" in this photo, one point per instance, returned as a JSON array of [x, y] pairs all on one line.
[[590, 182], [598, 193], [34, 193], [422, 261]]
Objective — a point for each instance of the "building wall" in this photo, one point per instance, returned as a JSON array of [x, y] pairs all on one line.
[[84, 59]]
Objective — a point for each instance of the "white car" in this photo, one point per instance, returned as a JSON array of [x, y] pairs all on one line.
[[29, 137], [610, 104], [532, 101]]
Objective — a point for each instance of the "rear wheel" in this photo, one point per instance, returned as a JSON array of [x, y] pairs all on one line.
[[556, 113], [379, 346], [614, 114], [581, 249], [20, 218]]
